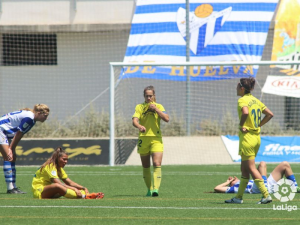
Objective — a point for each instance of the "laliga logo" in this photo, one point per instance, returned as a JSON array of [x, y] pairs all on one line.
[[284, 191]]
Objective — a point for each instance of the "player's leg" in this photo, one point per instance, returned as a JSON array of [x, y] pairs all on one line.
[[284, 168], [56, 190], [144, 151], [14, 174], [156, 152], [262, 168], [7, 167]]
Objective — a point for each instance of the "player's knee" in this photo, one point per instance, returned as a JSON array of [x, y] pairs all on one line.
[[285, 164], [262, 164], [156, 163]]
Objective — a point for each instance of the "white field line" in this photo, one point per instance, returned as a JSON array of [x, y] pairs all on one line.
[[132, 207], [135, 173]]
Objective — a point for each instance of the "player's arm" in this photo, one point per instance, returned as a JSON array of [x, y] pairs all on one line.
[[15, 141], [71, 183], [267, 117], [245, 113], [222, 188], [164, 116], [135, 123]]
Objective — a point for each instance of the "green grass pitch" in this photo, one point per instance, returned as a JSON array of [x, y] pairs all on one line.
[[184, 199]]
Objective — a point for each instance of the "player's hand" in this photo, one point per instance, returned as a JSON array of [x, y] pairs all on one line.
[[243, 130], [78, 193], [152, 107], [142, 129], [9, 156], [86, 191]]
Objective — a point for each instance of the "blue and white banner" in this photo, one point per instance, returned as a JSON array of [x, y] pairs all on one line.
[[272, 149], [227, 30]]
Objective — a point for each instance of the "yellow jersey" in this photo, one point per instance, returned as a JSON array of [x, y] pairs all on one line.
[[255, 108], [150, 120], [44, 178]]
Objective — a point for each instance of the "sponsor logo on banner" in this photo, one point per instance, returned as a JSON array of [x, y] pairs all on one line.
[[283, 86], [277, 149], [272, 149]]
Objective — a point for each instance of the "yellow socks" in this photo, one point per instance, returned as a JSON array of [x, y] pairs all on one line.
[[261, 186], [72, 194], [147, 177], [243, 184], [156, 177]]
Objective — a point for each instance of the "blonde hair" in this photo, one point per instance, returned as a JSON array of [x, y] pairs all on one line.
[[42, 108], [59, 152], [150, 88]]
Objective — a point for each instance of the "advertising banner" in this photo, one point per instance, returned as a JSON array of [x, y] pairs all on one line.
[[272, 149], [282, 85], [286, 42], [232, 30], [80, 151]]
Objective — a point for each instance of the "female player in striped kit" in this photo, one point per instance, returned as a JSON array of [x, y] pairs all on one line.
[[12, 128], [250, 111], [147, 118]]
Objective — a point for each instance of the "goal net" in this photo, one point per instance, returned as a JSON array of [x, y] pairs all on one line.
[[201, 112]]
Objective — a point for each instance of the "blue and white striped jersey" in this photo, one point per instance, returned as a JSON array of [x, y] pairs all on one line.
[[250, 189], [16, 121]]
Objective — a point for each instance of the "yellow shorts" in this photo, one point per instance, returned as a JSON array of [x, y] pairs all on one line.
[[37, 192], [249, 144], [148, 145]]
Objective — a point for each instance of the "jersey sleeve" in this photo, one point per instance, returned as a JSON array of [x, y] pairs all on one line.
[[26, 124], [242, 103], [63, 174], [51, 171], [137, 112], [262, 106], [161, 108], [230, 190]]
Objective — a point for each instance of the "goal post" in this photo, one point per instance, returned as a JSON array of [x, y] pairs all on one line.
[[193, 113]]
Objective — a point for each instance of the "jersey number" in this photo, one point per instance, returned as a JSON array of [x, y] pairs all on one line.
[[140, 143], [257, 117]]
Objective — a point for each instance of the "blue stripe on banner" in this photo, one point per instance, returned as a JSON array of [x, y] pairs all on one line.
[[265, 7], [171, 27], [201, 38], [4, 121], [218, 24], [162, 73], [210, 50]]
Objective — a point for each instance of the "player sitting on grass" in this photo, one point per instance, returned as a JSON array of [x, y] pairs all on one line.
[[283, 169], [47, 183]]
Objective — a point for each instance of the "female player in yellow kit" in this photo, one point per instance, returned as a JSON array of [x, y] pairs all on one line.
[[147, 118], [46, 181], [250, 111]]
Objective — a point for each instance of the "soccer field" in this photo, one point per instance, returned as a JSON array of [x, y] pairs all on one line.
[[184, 199]]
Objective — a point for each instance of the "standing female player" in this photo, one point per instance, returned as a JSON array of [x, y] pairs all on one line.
[[13, 126], [250, 110], [46, 181], [147, 118]]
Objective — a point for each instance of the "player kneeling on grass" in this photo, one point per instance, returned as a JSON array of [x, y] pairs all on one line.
[[47, 183], [283, 169]]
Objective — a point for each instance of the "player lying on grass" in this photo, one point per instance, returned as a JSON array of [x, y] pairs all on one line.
[[283, 169], [47, 183]]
